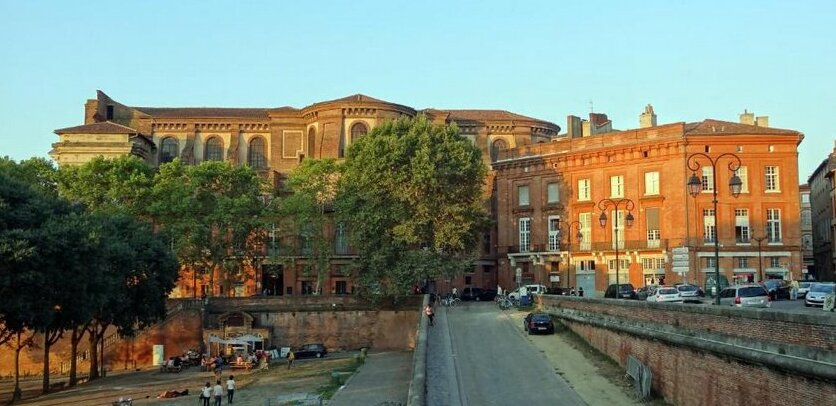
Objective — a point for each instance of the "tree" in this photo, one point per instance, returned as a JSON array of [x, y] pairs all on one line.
[[116, 185], [411, 195], [214, 213], [38, 173], [307, 210]]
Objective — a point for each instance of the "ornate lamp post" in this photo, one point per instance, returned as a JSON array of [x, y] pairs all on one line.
[[695, 187], [629, 206], [579, 237]]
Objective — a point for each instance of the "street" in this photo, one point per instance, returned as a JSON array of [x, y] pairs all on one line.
[[476, 356]]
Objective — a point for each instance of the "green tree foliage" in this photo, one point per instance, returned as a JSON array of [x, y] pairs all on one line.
[[307, 212], [411, 195], [38, 173], [214, 213], [116, 185]]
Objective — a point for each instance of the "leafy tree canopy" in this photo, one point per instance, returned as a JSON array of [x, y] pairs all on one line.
[[117, 185]]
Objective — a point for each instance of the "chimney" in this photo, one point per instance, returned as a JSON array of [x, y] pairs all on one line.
[[762, 121], [573, 127], [747, 118], [648, 118], [90, 110]]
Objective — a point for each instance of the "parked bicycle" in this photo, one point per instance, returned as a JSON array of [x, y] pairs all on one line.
[[450, 301], [504, 303]]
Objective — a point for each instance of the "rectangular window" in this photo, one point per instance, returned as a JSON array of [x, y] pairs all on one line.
[[743, 174], [625, 264], [554, 233], [340, 240], [617, 186], [707, 179], [654, 232], [522, 196], [742, 262], [617, 231], [710, 263], [741, 225], [525, 234], [651, 183], [805, 198], [553, 193], [583, 189], [709, 228], [307, 288], [585, 265], [653, 264], [486, 243], [773, 225], [341, 288], [806, 221], [585, 228], [771, 183], [774, 262]]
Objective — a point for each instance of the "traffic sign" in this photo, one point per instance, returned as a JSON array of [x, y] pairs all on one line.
[[680, 269], [680, 257], [680, 250]]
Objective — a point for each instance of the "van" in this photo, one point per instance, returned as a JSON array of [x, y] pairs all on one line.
[[536, 289]]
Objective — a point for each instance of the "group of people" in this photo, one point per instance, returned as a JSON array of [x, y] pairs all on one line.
[[217, 392]]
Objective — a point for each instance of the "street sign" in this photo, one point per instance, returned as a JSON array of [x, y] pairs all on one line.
[[680, 250], [680, 257], [680, 269]]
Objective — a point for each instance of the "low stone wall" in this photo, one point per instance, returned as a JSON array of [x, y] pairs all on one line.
[[418, 385], [705, 355]]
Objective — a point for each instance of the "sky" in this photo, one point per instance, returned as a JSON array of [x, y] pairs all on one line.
[[690, 60]]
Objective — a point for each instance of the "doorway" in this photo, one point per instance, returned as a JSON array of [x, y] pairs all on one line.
[[272, 280]]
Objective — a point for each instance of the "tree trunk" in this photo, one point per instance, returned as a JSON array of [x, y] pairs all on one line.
[[45, 387], [94, 352], [78, 333], [17, 394]]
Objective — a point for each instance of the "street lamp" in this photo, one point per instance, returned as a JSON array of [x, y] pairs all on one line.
[[695, 187], [629, 205], [579, 237], [760, 258]]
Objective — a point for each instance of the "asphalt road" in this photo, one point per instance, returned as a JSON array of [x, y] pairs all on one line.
[[477, 357]]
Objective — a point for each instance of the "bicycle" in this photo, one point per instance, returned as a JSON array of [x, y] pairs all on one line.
[[451, 301], [505, 303]]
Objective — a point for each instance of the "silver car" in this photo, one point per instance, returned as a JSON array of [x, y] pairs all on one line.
[[749, 295], [803, 288], [689, 292], [817, 293], [665, 294]]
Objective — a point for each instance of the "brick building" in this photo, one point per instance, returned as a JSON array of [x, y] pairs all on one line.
[[550, 193], [808, 268], [274, 141], [823, 206]]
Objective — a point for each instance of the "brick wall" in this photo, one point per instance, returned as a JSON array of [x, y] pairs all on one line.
[[691, 375]]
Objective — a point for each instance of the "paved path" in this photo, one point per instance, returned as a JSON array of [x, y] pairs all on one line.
[[477, 357], [384, 377]]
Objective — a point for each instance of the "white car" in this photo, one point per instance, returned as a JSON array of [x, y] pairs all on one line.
[[529, 290], [817, 293], [665, 294], [803, 288]]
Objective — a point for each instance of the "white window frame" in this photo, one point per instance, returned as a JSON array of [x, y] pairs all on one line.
[[774, 262], [585, 220], [772, 179], [584, 186], [709, 222], [741, 219], [552, 186], [523, 195], [525, 234], [617, 186], [743, 173], [624, 262], [554, 233], [773, 226], [707, 179], [742, 262], [651, 183]]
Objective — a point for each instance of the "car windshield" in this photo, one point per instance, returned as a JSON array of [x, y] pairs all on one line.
[[687, 288], [668, 291], [805, 284], [751, 292], [772, 283], [626, 288], [541, 317], [822, 288]]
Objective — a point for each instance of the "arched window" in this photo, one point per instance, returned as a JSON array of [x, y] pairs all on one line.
[[311, 142], [214, 150], [358, 130], [255, 154], [168, 149], [498, 145]]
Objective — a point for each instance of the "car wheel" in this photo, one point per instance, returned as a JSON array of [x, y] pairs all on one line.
[[319, 355], [478, 299]]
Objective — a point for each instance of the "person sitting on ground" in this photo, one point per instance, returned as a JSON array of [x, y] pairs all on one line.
[[172, 394]]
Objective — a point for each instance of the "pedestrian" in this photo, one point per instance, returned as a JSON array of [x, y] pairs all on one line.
[[498, 290], [430, 314], [218, 392], [572, 291], [290, 357], [230, 388], [206, 394], [455, 292], [794, 289], [580, 291]]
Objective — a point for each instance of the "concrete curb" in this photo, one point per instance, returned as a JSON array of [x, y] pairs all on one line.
[[418, 387]]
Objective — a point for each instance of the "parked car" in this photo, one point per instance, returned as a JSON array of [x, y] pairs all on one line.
[[557, 291], [643, 292], [477, 294], [803, 288], [689, 292], [311, 351], [538, 323], [625, 291], [530, 289], [817, 293], [749, 295], [665, 294], [778, 288]]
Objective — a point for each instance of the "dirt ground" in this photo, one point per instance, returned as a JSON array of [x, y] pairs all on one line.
[[597, 379], [254, 387]]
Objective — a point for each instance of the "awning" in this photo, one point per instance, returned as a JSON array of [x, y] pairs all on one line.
[[250, 338]]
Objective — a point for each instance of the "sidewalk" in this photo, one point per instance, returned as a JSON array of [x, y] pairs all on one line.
[[384, 377]]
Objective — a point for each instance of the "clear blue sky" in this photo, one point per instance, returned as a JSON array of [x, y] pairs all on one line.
[[691, 60]]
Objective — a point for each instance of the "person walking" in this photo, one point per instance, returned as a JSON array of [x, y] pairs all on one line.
[[206, 394], [430, 313], [794, 289], [290, 357], [218, 392], [230, 388], [455, 292], [580, 291]]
